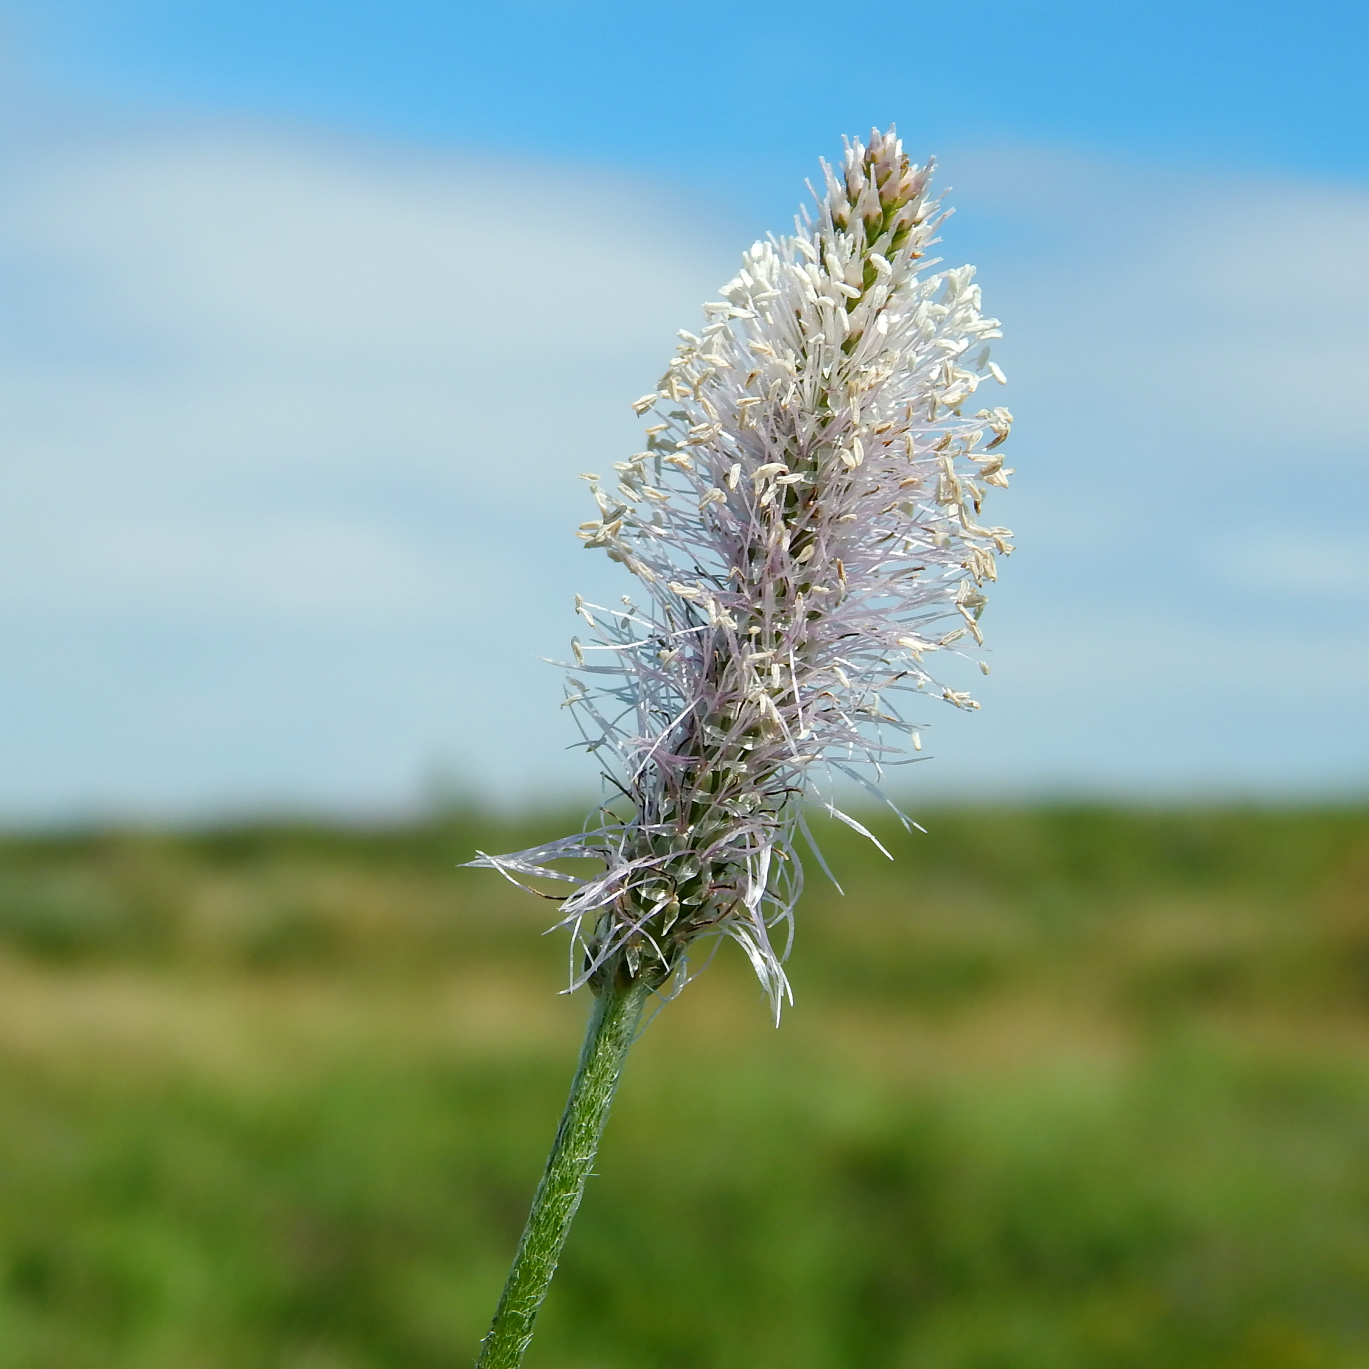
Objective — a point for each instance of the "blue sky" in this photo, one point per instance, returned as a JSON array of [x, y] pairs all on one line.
[[315, 311], [743, 91]]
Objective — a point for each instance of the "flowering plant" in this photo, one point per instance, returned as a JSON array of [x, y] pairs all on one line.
[[804, 527]]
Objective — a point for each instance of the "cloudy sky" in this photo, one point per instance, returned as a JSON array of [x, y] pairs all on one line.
[[313, 314]]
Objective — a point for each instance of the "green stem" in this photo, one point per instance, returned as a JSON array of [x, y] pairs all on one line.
[[612, 1029]]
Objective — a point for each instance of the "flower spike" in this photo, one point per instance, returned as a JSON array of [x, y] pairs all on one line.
[[805, 526]]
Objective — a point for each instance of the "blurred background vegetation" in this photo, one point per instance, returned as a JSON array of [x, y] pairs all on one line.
[[1063, 1087]]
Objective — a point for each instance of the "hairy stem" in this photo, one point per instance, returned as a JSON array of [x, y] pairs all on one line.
[[612, 1029]]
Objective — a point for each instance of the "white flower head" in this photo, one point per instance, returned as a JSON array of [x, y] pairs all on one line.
[[804, 524]]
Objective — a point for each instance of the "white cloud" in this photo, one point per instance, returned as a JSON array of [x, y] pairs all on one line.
[[322, 409], [1193, 498], [292, 430]]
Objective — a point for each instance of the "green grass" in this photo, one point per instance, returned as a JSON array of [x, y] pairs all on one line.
[[1062, 1089]]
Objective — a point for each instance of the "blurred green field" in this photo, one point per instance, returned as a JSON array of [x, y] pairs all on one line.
[[1062, 1089]]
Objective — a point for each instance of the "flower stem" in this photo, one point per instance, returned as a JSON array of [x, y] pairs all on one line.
[[611, 1031]]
